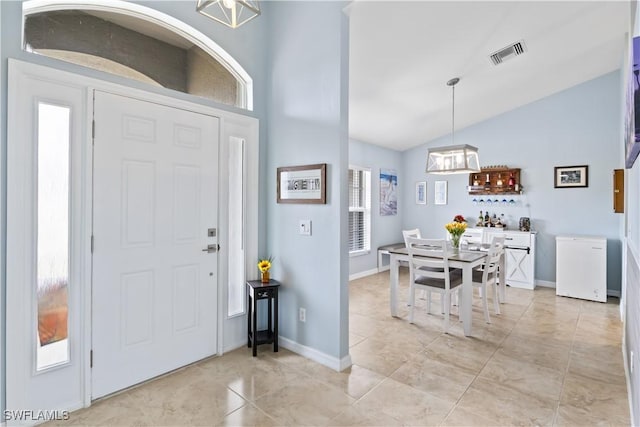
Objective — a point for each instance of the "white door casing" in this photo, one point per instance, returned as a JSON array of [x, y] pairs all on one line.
[[69, 387], [155, 198]]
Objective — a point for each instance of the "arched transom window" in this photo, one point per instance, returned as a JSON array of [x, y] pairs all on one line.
[[136, 42]]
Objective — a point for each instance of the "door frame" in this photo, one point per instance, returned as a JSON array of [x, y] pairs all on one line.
[[231, 125]]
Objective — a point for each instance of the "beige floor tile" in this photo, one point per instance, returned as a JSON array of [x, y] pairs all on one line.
[[355, 339], [550, 353], [382, 356], [442, 380], [354, 381], [502, 405], [609, 370], [309, 403], [262, 376], [545, 359], [466, 353], [593, 398], [460, 417], [406, 404], [545, 383], [569, 416], [247, 416], [365, 418]]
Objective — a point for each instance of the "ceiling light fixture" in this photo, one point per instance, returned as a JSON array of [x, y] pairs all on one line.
[[231, 13], [453, 158]]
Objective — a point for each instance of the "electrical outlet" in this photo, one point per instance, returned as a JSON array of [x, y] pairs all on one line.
[[305, 227], [303, 314]]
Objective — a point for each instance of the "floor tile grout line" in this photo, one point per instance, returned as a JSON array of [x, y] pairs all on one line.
[[498, 347], [566, 371]]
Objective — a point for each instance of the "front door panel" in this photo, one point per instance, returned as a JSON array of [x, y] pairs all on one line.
[[155, 197]]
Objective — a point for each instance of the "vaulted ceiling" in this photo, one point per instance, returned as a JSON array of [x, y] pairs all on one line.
[[403, 53]]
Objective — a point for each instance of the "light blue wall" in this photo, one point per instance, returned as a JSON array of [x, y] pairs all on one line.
[[307, 115], [384, 229], [578, 126]]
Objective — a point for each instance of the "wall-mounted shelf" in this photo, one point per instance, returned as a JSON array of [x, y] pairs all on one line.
[[496, 181]]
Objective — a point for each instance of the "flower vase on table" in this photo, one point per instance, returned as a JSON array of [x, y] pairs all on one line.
[[456, 229], [455, 242], [265, 276], [264, 265]]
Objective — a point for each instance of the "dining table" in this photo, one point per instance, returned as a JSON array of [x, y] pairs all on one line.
[[465, 260]]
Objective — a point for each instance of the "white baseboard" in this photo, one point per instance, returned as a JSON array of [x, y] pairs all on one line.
[[545, 284], [363, 274], [315, 355]]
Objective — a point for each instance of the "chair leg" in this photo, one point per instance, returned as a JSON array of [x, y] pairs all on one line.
[[441, 305], [428, 302], [496, 298], [447, 307], [485, 305], [412, 300]]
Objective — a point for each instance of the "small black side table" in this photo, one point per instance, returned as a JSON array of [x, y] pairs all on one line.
[[256, 290]]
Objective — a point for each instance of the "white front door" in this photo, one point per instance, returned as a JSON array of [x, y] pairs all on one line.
[[155, 212]]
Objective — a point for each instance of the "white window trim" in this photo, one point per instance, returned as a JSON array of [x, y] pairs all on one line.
[[245, 92], [366, 210]]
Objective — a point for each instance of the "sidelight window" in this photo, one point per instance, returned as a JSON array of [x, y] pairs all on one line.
[[52, 269]]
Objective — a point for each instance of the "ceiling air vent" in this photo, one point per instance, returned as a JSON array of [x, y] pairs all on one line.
[[508, 52]]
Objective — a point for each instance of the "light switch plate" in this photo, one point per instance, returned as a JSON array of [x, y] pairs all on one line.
[[305, 227]]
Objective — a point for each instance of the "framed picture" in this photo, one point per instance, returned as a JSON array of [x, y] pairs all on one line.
[[421, 193], [440, 193], [303, 184], [632, 110], [388, 192], [571, 176]]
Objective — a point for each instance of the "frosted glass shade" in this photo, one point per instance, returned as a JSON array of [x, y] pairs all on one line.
[[453, 159], [231, 13]]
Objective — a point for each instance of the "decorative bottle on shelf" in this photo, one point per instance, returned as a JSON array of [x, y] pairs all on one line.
[[475, 181], [480, 220], [487, 183], [487, 219], [499, 182], [512, 181]]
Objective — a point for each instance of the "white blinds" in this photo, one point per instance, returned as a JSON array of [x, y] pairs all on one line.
[[359, 209]]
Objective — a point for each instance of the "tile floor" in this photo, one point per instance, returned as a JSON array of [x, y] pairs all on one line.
[[545, 361]]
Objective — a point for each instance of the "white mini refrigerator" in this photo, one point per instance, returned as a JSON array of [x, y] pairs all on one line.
[[581, 267]]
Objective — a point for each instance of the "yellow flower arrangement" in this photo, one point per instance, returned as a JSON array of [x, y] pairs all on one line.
[[264, 264], [456, 228]]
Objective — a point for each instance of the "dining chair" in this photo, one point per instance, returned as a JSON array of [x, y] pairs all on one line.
[[486, 276], [415, 233], [429, 270]]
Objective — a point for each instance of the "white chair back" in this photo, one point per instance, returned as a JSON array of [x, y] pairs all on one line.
[[410, 233], [428, 258], [496, 250]]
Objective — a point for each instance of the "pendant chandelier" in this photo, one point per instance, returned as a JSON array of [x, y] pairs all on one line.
[[231, 13], [453, 158]]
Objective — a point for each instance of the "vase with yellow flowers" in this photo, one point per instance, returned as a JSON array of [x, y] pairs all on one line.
[[264, 265], [456, 228]]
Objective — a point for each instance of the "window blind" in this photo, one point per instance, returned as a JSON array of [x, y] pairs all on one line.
[[359, 209]]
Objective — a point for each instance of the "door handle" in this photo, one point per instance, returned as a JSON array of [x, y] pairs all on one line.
[[211, 248]]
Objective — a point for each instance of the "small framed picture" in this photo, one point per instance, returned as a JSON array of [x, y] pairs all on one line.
[[302, 184], [571, 176], [421, 193], [440, 193]]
